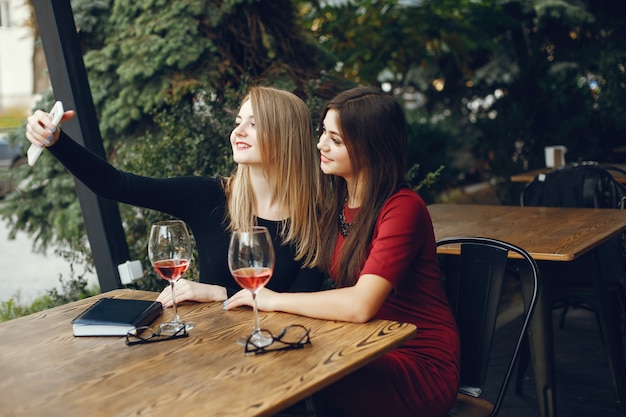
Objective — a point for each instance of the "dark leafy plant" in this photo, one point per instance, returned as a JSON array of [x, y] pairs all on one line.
[[192, 140], [149, 63]]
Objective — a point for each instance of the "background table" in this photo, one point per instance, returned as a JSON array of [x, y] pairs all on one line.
[[549, 234], [530, 175], [47, 371]]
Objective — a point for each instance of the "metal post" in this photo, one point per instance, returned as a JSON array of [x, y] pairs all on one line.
[[70, 85]]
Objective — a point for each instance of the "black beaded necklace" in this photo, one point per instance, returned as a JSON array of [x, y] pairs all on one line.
[[344, 227]]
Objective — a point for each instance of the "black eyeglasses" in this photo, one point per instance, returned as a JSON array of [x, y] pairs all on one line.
[[291, 337], [145, 334]]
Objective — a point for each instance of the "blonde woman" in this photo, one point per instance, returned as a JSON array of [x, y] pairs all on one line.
[[276, 185]]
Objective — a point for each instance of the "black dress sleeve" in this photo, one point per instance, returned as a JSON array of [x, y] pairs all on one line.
[[199, 201], [307, 280], [108, 182]]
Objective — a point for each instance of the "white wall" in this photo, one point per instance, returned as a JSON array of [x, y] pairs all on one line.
[[16, 51]]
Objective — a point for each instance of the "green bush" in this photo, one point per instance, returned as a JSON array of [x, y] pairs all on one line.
[[72, 289]]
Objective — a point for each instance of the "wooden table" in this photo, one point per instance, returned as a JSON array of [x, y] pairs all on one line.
[[47, 371], [530, 175], [549, 234]]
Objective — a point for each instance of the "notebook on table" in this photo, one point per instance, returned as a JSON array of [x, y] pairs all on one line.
[[115, 317]]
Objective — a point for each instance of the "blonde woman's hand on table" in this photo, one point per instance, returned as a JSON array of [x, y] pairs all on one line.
[[192, 291], [265, 299]]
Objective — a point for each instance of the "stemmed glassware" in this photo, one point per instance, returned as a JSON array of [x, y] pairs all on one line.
[[251, 262], [169, 250]]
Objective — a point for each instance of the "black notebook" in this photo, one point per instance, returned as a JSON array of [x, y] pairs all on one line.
[[115, 317]]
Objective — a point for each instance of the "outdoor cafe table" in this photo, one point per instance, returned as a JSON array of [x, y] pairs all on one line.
[[46, 371], [531, 175], [549, 234]]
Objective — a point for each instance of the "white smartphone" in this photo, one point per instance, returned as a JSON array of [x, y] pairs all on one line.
[[55, 115]]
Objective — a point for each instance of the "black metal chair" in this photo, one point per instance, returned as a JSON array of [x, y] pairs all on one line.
[[474, 289], [587, 185]]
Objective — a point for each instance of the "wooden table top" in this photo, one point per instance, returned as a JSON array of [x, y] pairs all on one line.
[[530, 175], [547, 233], [47, 371]]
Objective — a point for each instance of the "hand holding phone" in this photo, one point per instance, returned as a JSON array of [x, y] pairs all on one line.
[[55, 115]]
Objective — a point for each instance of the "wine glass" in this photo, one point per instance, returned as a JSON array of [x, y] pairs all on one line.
[[169, 250], [251, 262]]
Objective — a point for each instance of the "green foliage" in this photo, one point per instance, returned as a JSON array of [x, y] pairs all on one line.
[[429, 55], [157, 45], [486, 85], [560, 49], [11, 309], [72, 289], [495, 81], [404, 45], [10, 119], [430, 168], [44, 204], [192, 140], [149, 62], [152, 55], [429, 180], [90, 17]]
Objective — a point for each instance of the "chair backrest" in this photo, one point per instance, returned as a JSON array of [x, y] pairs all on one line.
[[587, 185], [474, 291]]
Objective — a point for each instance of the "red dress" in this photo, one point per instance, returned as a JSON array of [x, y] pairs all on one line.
[[421, 377]]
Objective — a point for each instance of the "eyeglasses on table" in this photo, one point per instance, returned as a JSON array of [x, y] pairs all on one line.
[[145, 334], [294, 336]]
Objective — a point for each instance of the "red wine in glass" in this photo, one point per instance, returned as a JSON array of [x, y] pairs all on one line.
[[251, 262], [169, 250], [252, 278], [171, 269]]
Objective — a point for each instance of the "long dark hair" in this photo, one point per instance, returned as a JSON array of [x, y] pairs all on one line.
[[373, 128]]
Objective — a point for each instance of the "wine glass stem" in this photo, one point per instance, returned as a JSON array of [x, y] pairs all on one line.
[[257, 328], [176, 317]]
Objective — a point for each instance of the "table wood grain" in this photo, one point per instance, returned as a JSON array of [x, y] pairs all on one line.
[[47, 371], [530, 175], [547, 233]]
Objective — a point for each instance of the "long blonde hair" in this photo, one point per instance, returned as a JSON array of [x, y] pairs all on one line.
[[290, 161]]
